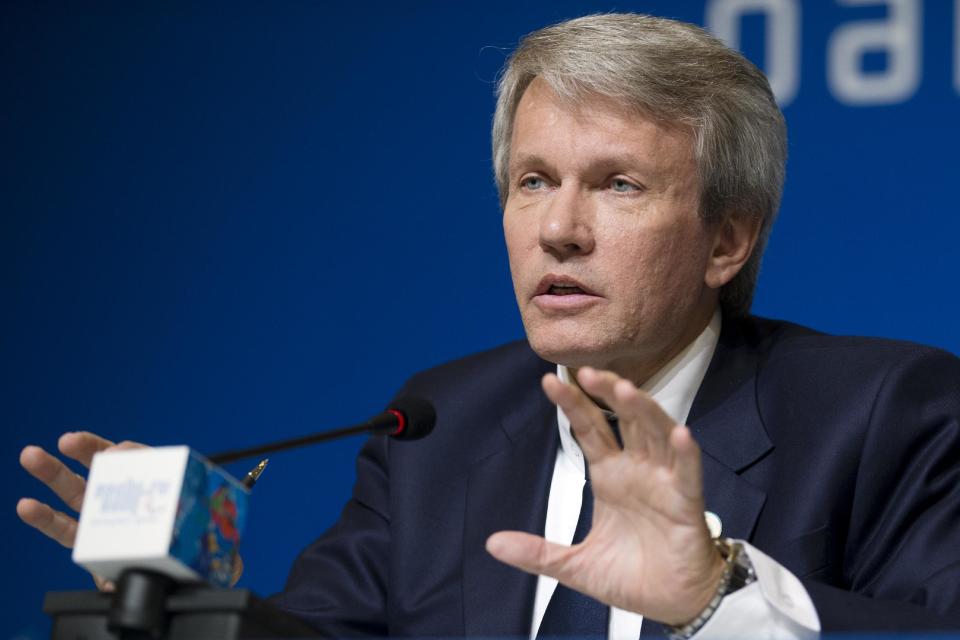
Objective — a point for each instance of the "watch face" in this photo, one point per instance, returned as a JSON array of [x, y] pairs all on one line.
[[741, 570], [738, 574]]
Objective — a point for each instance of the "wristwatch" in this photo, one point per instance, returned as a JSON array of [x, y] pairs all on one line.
[[737, 573]]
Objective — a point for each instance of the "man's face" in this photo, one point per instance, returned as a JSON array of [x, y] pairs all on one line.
[[607, 251]]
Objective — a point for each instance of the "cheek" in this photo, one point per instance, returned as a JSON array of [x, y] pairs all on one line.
[[516, 256], [656, 268], [520, 234]]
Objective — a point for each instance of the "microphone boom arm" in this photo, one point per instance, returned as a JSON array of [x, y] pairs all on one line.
[[387, 423]]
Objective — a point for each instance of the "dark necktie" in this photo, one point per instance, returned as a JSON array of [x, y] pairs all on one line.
[[569, 612]]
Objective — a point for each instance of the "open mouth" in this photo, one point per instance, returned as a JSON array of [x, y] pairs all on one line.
[[562, 294], [564, 290], [561, 285]]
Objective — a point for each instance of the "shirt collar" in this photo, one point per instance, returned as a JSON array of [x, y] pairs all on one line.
[[673, 387]]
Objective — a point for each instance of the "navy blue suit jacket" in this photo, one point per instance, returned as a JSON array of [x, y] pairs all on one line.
[[839, 457]]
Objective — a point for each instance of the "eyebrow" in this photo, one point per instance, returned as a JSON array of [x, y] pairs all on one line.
[[601, 163]]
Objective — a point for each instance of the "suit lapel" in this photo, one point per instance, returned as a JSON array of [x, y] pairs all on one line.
[[726, 422], [507, 490]]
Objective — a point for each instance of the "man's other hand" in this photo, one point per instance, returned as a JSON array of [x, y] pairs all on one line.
[[649, 549], [67, 485]]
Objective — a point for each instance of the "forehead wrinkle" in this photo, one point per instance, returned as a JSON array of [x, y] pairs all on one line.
[[587, 106], [522, 161]]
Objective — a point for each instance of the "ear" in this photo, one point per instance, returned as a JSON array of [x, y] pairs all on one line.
[[733, 243]]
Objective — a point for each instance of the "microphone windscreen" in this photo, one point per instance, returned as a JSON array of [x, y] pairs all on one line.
[[419, 414]]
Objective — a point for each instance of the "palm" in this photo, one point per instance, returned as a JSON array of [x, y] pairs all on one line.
[[642, 534], [648, 549]]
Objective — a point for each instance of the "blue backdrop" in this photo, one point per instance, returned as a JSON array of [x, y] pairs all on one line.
[[228, 223]]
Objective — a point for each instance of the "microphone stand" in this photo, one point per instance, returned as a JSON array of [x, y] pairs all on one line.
[[149, 605], [144, 607], [138, 606]]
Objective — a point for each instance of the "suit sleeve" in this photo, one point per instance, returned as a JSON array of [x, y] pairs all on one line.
[[902, 556], [901, 565], [338, 584]]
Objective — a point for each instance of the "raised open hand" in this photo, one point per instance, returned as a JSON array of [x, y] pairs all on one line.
[[649, 549]]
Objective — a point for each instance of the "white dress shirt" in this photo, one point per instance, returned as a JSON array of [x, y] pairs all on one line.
[[775, 606]]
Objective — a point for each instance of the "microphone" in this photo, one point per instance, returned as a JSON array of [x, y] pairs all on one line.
[[156, 517], [171, 511], [408, 418]]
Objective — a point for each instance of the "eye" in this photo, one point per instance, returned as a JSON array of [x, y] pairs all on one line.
[[621, 185], [532, 183]]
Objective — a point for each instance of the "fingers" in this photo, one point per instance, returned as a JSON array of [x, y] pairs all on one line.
[[53, 473], [644, 426], [81, 445], [128, 444], [49, 522], [66, 484], [69, 487], [237, 570], [103, 584], [687, 466], [56, 525], [587, 421]]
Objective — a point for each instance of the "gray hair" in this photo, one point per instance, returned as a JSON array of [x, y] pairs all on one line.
[[676, 73]]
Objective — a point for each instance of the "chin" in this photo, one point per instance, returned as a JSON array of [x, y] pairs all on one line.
[[570, 351]]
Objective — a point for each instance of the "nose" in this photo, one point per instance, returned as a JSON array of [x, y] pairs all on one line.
[[566, 225]]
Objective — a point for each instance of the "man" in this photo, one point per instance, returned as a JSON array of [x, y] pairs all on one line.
[[640, 165]]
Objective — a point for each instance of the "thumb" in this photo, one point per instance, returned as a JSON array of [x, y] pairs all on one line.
[[529, 553]]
